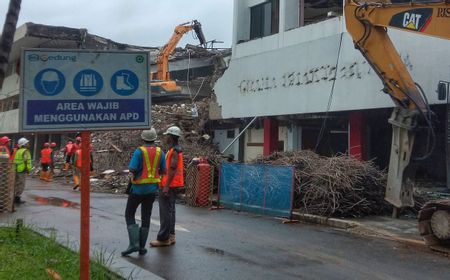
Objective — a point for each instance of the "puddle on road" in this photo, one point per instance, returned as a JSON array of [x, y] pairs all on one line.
[[55, 201]]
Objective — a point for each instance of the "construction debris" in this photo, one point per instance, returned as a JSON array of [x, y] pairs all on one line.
[[112, 150], [338, 186]]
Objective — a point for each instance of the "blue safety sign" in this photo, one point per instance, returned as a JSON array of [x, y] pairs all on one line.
[[84, 90]]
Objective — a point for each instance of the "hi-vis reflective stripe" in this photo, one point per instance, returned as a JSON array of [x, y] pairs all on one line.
[[151, 168], [151, 175]]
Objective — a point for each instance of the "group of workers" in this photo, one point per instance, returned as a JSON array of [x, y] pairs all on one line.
[[21, 160], [152, 171]]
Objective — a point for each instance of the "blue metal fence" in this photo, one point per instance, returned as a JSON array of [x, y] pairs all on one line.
[[261, 189]]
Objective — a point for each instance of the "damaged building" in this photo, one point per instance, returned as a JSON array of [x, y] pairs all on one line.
[[294, 67], [193, 69]]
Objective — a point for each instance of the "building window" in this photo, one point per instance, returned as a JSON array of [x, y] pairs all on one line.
[[293, 14], [230, 134], [264, 19], [319, 10]]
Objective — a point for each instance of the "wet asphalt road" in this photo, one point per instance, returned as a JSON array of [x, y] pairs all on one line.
[[229, 245]]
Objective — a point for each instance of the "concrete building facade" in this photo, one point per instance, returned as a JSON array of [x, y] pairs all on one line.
[[295, 67]]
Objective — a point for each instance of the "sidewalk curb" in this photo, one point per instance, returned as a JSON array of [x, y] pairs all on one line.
[[322, 220], [357, 228]]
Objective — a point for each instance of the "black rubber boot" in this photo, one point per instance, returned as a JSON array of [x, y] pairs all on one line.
[[133, 235], [142, 240]]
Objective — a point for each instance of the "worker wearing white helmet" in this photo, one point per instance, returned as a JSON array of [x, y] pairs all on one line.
[[22, 162], [171, 183], [147, 166]]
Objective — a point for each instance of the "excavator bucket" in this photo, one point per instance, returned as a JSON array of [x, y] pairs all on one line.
[[164, 87]]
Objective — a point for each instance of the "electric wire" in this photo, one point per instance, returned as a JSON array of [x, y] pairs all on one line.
[[330, 99]]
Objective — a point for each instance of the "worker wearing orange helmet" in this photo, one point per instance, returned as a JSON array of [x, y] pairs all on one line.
[[68, 153], [76, 163], [77, 144], [4, 147], [46, 162]]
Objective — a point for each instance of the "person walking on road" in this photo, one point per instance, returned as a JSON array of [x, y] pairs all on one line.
[[68, 153], [146, 166], [52, 167], [46, 162], [76, 169], [171, 183], [23, 165]]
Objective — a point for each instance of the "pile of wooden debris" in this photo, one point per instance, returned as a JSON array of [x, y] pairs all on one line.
[[338, 186]]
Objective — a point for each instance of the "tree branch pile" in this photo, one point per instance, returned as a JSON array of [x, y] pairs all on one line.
[[338, 186]]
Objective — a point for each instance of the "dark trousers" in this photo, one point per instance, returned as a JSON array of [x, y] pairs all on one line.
[[167, 214], [45, 167], [146, 202], [68, 158]]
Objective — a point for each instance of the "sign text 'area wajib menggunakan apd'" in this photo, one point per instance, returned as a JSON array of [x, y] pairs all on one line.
[[84, 90]]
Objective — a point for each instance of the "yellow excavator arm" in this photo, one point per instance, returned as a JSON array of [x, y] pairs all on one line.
[[367, 23], [162, 75]]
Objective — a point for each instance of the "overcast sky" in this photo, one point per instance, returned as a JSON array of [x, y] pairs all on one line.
[[136, 22]]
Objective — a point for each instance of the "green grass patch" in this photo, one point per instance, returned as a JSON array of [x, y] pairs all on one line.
[[25, 254]]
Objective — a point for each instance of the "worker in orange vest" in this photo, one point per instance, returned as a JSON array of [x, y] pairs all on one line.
[[147, 166], [68, 153], [76, 168], [77, 144], [46, 162], [171, 183], [4, 147]]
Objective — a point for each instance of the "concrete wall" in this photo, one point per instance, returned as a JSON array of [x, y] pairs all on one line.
[[293, 72], [9, 122], [11, 86]]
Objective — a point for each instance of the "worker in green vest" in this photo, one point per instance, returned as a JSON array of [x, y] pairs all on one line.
[[22, 162]]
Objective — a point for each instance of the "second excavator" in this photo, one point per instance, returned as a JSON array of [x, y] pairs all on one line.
[[161, 83]]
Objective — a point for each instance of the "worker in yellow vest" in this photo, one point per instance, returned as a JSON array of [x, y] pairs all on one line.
[[23, 165], [146, 166], [171, 183], [46, 163]]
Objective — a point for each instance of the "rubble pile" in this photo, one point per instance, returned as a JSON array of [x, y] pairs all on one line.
[[338, 186], [112, 150]]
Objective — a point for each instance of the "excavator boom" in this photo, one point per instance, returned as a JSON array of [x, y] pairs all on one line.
[[367, 23]]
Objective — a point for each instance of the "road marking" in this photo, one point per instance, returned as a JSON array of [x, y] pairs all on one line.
[[156, 223]]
